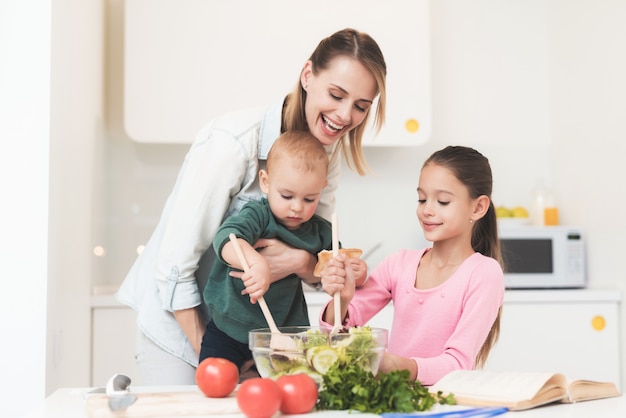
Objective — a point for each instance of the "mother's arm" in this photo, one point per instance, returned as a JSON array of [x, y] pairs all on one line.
[[194, 211], [285, 260]]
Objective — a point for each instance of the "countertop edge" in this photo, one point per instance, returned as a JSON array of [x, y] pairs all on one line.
[[108, 300]]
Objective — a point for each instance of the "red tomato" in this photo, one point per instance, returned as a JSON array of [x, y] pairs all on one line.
[[258, 397], [217, 377], [298, 393]]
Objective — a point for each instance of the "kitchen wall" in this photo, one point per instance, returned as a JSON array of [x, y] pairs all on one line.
[[536, 85], [24, 132]]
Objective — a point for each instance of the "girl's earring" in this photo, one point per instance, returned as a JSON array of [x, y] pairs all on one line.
[[471, 221]]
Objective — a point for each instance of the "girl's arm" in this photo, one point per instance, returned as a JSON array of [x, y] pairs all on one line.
[[358, 305]]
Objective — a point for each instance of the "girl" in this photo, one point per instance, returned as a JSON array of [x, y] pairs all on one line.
[[447, 298], [332, 99]]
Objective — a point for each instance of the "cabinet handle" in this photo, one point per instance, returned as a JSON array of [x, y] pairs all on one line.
[[598, 323], [412, 126]]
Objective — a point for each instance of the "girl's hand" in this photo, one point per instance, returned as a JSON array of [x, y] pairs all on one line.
[[357, 270], [392, 362], [337, 278]]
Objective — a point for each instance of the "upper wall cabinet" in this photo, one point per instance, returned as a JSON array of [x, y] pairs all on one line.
[[188, 61]]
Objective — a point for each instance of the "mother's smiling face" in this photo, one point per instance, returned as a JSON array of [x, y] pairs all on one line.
[[338, 98]]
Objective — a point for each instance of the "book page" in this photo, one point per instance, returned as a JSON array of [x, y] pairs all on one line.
[[582, 390], [501, 387]]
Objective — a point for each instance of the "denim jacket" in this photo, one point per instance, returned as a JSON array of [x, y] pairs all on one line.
[[218, 176]]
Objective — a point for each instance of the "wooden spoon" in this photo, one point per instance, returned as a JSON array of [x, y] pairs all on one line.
[[277, 341], [336, 298]]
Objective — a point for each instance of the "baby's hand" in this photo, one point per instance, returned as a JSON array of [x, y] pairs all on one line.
[[256, 280]]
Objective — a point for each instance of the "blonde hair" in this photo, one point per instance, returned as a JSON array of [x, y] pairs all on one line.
[[359, 46], [301, 148]]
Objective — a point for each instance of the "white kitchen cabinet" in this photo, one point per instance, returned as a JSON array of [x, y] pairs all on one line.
[[113, 341], [186, 62], [575, 332]]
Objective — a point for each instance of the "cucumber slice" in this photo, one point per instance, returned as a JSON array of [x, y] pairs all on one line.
[[322, 359]]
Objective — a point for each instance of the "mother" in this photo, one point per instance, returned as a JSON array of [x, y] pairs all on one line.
[[333, 99]]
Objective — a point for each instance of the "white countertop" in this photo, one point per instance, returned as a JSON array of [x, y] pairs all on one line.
[[71, 403]]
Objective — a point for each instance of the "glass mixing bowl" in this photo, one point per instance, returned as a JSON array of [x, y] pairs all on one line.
[[313, 350]]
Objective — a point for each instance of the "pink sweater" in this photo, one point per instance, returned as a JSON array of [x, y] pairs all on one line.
[[442, 328]]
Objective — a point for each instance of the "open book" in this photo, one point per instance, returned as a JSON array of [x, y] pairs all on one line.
[[519, 390]]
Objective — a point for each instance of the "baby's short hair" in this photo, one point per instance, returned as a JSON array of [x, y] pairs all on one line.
[[305, 150]]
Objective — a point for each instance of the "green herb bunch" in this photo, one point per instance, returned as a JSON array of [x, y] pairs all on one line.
[[350, 387]]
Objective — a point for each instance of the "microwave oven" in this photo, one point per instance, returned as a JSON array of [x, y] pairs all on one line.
[[538, 257]]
